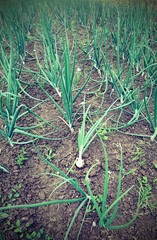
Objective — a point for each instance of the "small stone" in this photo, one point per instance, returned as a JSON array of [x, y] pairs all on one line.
[[143, 172], [94, 224], [24, 218], [86, 155], [42, 195], [15, 168]]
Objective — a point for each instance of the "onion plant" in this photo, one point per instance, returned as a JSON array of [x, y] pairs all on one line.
[[149, 59], [50, 69], [10, 109], [152, 119], [9, 121], [107, 214], [85, 139], [46, 30], [125, 86], [66, 80], [4, 169], [21, 37], [18, 18]]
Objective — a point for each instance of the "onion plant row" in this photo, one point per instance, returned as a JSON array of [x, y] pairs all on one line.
[[11, 110], [59, 73]]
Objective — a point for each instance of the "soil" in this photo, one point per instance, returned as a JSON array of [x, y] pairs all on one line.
[[38, 182]]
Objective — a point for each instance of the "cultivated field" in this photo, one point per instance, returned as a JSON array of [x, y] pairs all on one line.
[[78, 120]]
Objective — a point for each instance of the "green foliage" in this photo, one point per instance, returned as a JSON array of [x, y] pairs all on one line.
[[85, 139], [4, 169], [10, 109], [104, 132], [22, 157], [3, 215], [50, 155], [107, 214], [145, 191], [91, 208], [152, 118], [23, 231], [2, 236], [35, 235], [14, 194], [155, 165], [147, 198], [138, 153], [122, 51], [65, 80]]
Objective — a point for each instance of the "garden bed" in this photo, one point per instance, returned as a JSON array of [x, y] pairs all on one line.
[[108, 54]]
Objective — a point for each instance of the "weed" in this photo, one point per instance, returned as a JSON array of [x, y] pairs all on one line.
[[16, 227], [104, 131], [145, 191], [138, 153], [21, 158], [133, 170], [35, 235], [23, 231], [3, 215], [148, 199], [50, 155], [142, 162], [14, 194], [91, 208]]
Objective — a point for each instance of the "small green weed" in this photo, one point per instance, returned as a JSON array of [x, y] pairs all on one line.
[[132, 171], [16, 227], [104, 133], [50, 155], [23, 231], [138, 153], [14, 194], [21, 158], [3, 216], [148, 199], [98, 95], [91, 208], [142, 162], [145, 191], [35, 235]]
